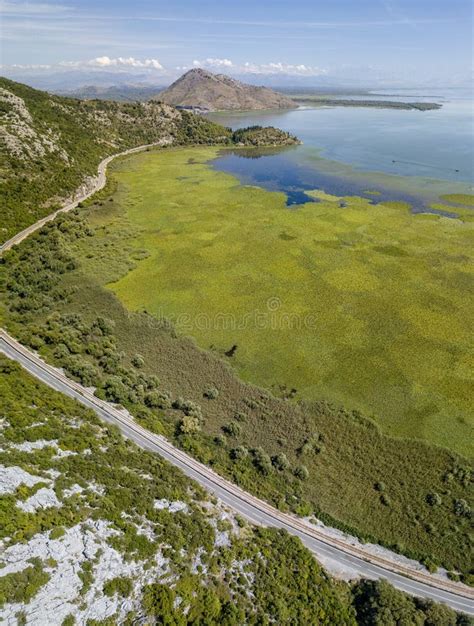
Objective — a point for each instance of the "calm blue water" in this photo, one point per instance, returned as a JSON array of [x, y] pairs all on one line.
[[279, 172], [428, 144]]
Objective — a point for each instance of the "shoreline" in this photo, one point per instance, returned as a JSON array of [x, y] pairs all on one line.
[[375, 104]]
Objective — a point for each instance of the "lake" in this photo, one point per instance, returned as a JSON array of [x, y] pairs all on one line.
[[408, 154]]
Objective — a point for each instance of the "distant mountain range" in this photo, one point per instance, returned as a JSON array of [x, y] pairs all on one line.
[[201, 89], [117, 93]]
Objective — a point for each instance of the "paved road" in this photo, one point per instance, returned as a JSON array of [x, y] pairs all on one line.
[[418, 583], [410, 580], [98, 184]]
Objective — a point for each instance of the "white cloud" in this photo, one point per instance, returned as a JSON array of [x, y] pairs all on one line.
[[118, 62], [282, 68], [259, 68], [216, 63]]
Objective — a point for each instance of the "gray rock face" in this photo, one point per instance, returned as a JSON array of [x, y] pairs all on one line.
[[12, 477], [200, 89]]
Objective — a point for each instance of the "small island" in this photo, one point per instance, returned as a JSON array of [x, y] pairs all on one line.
[[263, 136]]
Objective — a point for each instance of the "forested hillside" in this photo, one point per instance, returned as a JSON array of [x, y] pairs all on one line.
[[50, 145]]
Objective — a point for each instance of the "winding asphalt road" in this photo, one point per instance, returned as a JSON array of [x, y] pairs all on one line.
[[412, 580]]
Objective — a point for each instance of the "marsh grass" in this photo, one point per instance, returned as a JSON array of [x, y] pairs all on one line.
[[385, 291], [346, 456]]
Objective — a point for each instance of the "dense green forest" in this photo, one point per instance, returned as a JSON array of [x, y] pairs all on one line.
[[52, 143]]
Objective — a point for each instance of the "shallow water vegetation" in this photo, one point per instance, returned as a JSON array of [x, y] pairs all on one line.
[[360, 304], [465, 199], [346, 458]]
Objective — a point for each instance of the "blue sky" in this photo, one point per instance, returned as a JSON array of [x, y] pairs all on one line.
[[379, 41]]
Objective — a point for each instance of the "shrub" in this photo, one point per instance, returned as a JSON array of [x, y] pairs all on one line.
[[57, 532], [110, 362], [462, 508], [152, 382], [433, 499], [238, 453], [280, 461], [211, 393], [121, 585], [138, 361], [82, 371], [104, 325], [158, 400], [262, 461], [302, 472], [87, 577], [189, 425], [306, 448], [232, 429], [22, 586], [188, 407]]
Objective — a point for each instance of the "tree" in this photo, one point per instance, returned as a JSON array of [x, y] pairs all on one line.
[[437, 614], [115, 390], [158, 602], [377, 603]]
